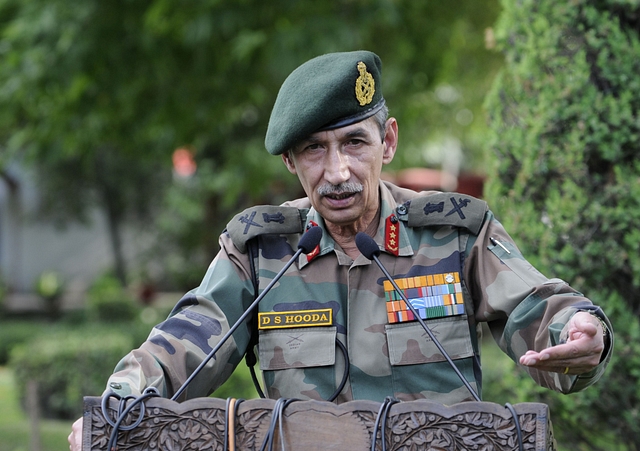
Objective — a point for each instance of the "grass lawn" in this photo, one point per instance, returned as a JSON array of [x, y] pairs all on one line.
[[14, 425]]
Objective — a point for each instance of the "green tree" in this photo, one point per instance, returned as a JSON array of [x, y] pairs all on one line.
[[71, 105], [566, 131], [98, 95]]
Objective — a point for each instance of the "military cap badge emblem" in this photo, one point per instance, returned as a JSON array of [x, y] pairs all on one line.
[[365, 85]]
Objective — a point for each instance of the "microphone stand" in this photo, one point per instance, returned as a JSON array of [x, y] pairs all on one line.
[[369, 248], [307, 243], [364, 243]]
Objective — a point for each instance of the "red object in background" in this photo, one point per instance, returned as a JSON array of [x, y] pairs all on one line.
[[183, 162], [424, 179], [471, 184]]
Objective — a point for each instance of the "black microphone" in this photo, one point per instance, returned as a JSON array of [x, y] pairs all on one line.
[[369, 248], [308, 242]]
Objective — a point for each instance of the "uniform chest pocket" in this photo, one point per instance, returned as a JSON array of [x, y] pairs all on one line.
[[301, 347], [409, 344]]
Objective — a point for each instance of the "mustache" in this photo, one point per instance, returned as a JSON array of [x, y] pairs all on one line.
[[343, 188]]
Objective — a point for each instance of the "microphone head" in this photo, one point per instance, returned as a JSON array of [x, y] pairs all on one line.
[[366, 245], [310, 239]]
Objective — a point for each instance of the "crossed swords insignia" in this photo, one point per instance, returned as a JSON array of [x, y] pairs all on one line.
[[439, 207], [266, 217]]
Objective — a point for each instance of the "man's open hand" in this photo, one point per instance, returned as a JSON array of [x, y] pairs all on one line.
[[579, 354]]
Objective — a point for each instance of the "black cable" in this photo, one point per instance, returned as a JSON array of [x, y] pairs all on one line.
[[276, 415], [250, 355], [369, 248], [345, 375], [267, 443], [281, 425], [307, 243], [517, 423], [381, 421], [343, 382], [254, 378], [123, 411], [377, 424], [383, 424]]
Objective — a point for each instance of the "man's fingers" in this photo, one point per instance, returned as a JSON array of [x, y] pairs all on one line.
[[75, 437], [582, 353]]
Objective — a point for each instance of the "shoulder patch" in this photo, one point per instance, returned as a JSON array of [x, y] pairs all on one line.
[[262, 220], [454, 209]]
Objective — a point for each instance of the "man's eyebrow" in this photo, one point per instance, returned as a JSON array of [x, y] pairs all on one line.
[[304, 142], [311, 139], [357, 133], [360, 132]]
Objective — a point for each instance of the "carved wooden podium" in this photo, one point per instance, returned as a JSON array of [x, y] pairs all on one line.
[[202, 424]]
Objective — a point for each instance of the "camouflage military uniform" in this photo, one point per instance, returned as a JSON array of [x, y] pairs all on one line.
[[440, 241]]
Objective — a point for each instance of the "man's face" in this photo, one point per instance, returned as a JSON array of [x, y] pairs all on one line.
[[339, 169]]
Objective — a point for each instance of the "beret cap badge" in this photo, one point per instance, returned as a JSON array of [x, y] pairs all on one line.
[[327, 92], [365, 85]]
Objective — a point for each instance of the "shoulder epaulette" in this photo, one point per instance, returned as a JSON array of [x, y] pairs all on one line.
[[262, 220], [454, 209]]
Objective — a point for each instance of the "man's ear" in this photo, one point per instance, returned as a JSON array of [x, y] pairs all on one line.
[[288, 162], [390, 140]]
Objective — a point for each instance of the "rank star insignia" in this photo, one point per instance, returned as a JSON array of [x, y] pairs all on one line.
[[392, 231], [391, 235]]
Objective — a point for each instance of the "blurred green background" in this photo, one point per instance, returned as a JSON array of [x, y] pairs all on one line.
[[132, 131]]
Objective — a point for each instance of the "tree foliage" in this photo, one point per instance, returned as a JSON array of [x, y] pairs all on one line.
[[564, 115], [98, 95]]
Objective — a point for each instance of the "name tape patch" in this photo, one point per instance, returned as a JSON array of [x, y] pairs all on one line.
[[296, 318]]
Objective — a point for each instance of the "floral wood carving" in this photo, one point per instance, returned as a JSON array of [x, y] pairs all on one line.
[[473, 431], [312, 425]]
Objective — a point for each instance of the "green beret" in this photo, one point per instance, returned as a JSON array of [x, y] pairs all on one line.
[[325, 93]]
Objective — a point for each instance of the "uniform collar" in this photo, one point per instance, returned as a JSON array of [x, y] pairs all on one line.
[[388, 209]]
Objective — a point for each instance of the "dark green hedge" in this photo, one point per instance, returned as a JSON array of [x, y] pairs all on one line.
[[15, 332], [70, 361], [67, 366], [108, 301], [565, 136]]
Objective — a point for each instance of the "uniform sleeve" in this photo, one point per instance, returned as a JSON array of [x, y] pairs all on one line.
[[523, 308], [176, 347]]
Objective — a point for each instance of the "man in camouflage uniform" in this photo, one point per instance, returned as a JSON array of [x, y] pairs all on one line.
[[332, 327]]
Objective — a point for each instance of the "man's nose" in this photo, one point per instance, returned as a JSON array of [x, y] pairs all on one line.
[[336, 167]]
